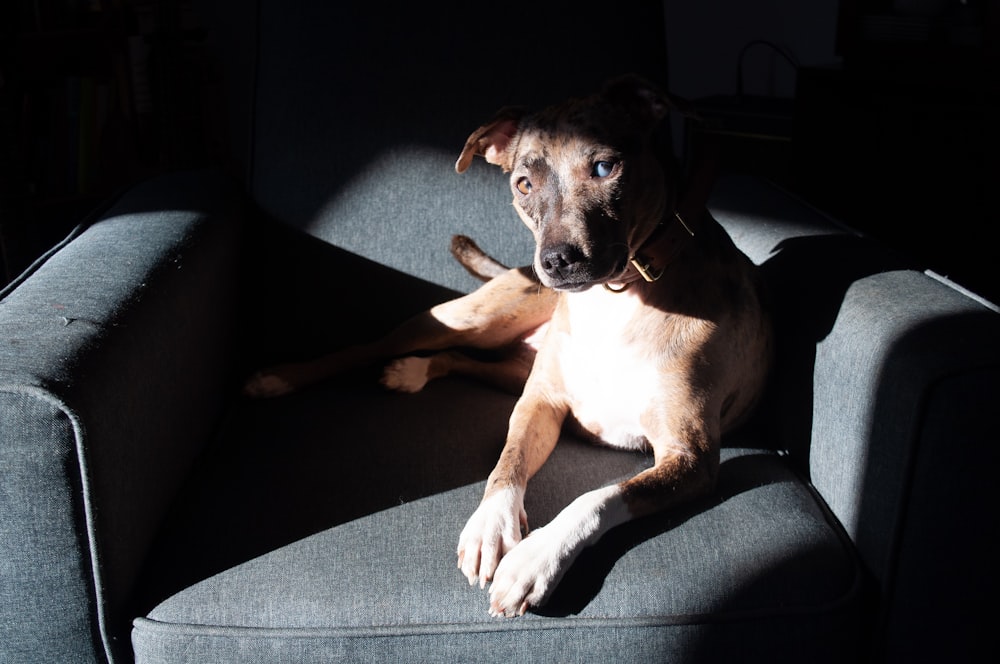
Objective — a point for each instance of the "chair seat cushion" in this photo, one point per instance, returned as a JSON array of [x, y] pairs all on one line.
[[324, 527]]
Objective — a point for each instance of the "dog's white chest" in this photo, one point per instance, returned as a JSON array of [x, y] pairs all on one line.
[[610, 379]]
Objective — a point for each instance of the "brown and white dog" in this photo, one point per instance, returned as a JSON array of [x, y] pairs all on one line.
[[639, 322]]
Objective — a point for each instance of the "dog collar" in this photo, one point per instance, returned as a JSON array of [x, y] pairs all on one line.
[[643, 266]]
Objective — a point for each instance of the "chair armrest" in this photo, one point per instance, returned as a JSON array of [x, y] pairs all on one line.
[[115, 358], [883, 394]]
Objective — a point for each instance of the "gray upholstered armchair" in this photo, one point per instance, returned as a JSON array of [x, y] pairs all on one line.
[[147, 511]]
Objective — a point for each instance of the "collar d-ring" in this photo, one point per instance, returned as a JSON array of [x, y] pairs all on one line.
[[621, 289]]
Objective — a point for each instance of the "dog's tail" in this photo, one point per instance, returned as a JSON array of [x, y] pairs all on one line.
[[479, 264]]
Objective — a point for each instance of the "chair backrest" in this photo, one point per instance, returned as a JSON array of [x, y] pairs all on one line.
[[360, 110]]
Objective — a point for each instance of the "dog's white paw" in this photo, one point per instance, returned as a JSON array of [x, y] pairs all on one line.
[[528, 574], [494, 529], [408, 374], [263, 385]]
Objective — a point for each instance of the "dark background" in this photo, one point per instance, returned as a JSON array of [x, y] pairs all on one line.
[[881, 112]]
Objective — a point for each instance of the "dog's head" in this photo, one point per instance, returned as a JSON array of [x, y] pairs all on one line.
[[586, 177]]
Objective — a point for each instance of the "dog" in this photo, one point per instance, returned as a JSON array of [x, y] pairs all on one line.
[[639, 323]]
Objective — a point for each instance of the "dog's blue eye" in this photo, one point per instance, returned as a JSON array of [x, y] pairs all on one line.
[[602, 169]]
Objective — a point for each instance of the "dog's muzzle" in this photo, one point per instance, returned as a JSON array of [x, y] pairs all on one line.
[[566, 267]]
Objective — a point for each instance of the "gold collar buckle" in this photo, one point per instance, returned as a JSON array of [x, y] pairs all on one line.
[[645, 271]]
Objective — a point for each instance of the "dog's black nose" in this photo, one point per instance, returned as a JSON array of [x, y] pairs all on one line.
[[562, 261]]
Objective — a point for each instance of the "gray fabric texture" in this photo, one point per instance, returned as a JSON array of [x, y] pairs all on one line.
[[761, 552], [46, 578], [865, 422], [123, 336], [880, 396]]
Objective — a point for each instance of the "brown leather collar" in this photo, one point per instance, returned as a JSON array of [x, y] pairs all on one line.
[[656, 252]]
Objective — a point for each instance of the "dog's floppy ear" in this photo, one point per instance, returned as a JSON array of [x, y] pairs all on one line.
[[645, 102], [492, 140]]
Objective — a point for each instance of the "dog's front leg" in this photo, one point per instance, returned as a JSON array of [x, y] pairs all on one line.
[[530, 572], [500, 521]]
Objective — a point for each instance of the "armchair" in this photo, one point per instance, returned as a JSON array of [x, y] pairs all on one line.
[[149, 513]]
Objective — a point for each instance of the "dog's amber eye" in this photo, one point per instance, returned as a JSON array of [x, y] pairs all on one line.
[[602, 169], [524, 186]]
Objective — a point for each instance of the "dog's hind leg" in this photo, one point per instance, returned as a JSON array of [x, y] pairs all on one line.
[[507, 371], [501, 312], [506, 364]]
